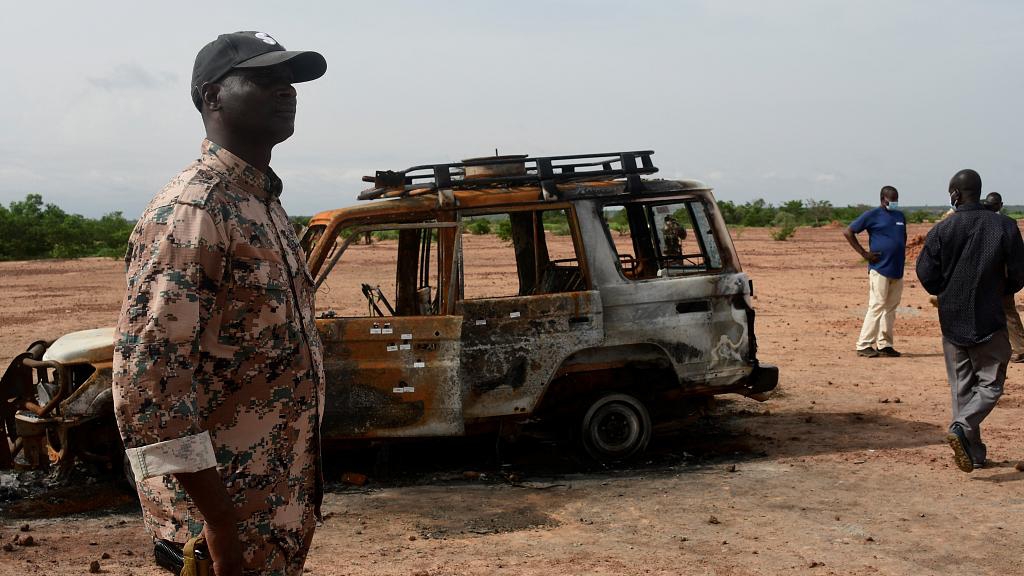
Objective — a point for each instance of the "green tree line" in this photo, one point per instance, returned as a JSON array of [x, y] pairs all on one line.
[[759, 213], [31, 229]]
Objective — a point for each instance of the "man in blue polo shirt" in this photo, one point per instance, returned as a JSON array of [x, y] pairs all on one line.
[[887, 240]]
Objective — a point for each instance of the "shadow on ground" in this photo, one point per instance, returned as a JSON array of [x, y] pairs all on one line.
[[729, 436], [732, 434]]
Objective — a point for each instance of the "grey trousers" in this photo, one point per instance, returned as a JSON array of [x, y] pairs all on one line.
[[976, 375]]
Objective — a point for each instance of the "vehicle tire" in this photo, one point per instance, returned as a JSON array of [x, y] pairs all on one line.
[[614, 428]]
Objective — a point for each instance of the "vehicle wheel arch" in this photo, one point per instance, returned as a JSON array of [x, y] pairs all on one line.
[[638, 369]]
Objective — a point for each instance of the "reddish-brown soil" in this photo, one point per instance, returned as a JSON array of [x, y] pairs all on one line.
[[843, 471]]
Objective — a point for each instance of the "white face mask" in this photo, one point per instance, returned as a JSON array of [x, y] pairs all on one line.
[[892, 206]]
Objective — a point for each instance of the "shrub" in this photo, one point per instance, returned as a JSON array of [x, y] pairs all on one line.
[[621, 227], [504, 230], [385, 235], [785, 226], [479, 226]]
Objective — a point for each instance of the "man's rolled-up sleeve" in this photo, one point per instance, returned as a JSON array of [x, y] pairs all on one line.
[[175, 263]]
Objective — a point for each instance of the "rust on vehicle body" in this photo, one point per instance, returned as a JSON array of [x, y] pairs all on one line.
[[513, 347], [395, 376]]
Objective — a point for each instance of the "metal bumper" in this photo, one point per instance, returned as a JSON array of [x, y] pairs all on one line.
[[764, 378]]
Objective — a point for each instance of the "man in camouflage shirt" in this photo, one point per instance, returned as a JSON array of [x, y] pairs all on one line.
[[218, 373]]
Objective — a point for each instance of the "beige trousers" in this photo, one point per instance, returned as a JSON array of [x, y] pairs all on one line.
[[883, 297], [1013, 325]]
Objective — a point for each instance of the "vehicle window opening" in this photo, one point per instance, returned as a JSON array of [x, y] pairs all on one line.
[[662, 239], [397, 273], [535, 254]]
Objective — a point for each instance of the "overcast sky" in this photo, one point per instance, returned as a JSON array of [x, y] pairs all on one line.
[[780, 100]]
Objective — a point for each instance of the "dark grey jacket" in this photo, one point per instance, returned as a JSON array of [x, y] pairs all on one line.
[[970, 261]]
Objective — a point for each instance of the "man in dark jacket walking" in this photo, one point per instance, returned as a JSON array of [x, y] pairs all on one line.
[[971, 260]]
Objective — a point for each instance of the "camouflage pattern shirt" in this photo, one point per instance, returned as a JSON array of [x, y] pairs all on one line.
[[218, 363]]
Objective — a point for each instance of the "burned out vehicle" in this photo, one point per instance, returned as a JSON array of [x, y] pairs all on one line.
[[609, 299], [56, 404], [599, 302]]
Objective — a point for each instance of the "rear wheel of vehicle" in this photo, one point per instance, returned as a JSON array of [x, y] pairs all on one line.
[[615, 427]]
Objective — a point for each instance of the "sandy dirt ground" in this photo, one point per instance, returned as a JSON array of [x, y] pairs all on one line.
[[843, 471]]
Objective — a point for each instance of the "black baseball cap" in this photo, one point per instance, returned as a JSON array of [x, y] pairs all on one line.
[[250, 49]]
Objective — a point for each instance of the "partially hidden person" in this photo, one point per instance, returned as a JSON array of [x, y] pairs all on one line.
[[1014, 328]]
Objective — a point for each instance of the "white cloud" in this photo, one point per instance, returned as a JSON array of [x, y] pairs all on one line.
[[20, 174], [129, 76]]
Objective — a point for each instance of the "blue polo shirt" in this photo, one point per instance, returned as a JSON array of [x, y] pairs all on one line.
[[887, 235]]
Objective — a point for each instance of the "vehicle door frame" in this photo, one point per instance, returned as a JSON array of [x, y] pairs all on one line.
[[393, 376]]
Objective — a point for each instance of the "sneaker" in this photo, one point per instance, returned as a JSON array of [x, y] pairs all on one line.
[[957, 440], [867, 352], [889, 352]]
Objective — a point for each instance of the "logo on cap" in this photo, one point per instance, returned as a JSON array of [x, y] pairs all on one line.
[[266, 38]]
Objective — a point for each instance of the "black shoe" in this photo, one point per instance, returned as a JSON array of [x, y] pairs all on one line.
[[958, 442], [867, 352], [889, 352]]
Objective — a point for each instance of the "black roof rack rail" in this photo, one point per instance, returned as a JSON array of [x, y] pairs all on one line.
[[543, 171]]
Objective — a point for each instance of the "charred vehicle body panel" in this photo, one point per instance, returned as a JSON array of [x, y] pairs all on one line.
[[615, 297]]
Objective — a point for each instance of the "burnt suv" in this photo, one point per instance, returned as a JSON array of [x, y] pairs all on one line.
[[482, 295], [599, 298]]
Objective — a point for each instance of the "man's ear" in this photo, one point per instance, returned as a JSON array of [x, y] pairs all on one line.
[[210, 92]]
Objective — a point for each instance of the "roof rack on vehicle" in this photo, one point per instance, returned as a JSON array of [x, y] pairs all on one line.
[[518, 170]]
